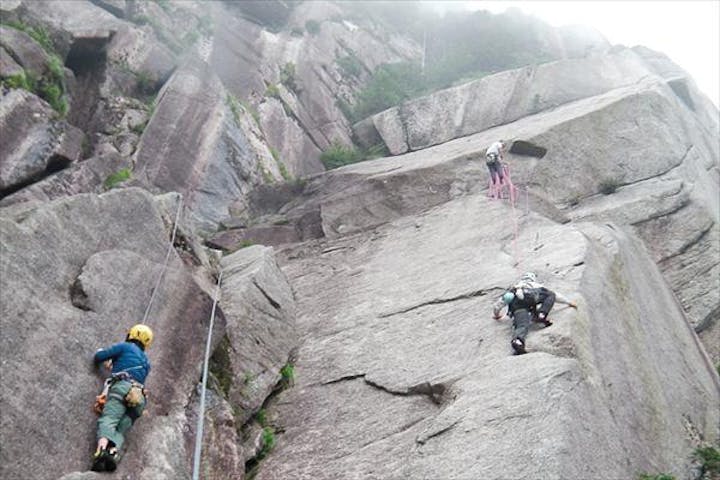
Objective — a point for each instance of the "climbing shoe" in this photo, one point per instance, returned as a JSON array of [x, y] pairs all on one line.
[[542, 318], [99, 461], [111, 459], [518, 345]]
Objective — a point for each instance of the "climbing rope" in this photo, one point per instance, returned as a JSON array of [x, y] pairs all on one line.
[[165, 264], [516, 228], [201, 409]]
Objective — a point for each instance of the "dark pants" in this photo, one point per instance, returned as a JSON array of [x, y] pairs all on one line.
[[542, 296], [493, 164], [521, 323]]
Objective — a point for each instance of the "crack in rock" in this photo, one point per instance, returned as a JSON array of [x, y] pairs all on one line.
[[272, 301], [422, 440], [436, 392], [437, 301]]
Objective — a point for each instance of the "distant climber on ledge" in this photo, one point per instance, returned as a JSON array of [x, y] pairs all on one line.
[[522, 302], [493, 160], [123, 398]]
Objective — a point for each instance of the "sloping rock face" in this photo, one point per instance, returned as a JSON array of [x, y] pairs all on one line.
[[204, 146], [94, 263], [598, 162], [401, 362], [76, 274], [499, 99]]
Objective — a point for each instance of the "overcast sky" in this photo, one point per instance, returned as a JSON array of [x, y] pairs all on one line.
[[686, 31]]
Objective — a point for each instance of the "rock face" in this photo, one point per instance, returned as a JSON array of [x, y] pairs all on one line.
[[499, 99], [408, 363], [94, 263], [101, 257], [202, 144], [311, 116], [379, 302]]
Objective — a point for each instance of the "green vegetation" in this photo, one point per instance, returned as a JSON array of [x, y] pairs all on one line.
[[709, 459], [39, 34], [287, 77], [660, 476], [288, 372], [338, 155], [268, 437], [350, 65], [390, 85], [234, 107], [205, 24], [459, 48], [261, 417], [609, 186], [272, 90], [22, 80], [190, 38], [118, 177], [284, 171], [220, 365], [244, 244], [313, 27], [51, 86]]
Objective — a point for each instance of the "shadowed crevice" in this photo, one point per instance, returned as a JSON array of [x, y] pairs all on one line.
[[527, 149]]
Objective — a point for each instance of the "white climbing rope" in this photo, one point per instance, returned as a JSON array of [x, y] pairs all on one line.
[[201, 409], [167, 257]]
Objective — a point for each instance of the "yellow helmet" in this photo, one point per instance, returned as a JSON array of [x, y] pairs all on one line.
[[141, 333]]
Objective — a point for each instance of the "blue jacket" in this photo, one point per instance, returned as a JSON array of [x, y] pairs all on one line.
[[126, 357]]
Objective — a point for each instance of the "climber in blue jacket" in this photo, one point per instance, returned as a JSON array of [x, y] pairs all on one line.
[[123, 399]]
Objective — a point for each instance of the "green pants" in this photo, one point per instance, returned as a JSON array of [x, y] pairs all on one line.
[[117, 418]]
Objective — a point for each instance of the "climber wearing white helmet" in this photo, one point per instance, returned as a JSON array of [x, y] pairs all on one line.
[[522, 300]]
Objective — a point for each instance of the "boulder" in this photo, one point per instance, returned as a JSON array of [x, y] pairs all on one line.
[[88, 176], [35, 143], [401, 366], [8, 66], [260, 312], [24, 50]]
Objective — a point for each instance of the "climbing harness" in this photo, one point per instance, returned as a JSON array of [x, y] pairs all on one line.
[[201, 408], [132, 399]]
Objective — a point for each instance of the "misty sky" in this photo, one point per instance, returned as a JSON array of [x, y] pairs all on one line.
[[687, 31]]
